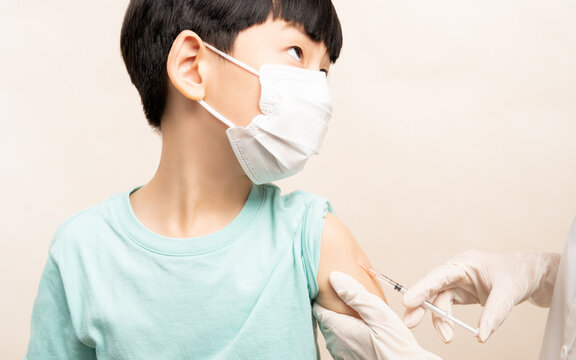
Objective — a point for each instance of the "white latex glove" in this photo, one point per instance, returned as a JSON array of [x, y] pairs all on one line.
[[498, 281], [380, 335]]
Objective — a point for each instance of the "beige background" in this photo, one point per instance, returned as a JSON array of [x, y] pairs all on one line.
[[454, 129]]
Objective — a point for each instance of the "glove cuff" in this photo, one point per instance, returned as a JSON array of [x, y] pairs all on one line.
[[546, 266]]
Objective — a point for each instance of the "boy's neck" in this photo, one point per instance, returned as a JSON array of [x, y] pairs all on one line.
[[199, 186]]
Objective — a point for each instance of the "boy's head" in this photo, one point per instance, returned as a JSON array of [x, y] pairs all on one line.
[[151, 26]]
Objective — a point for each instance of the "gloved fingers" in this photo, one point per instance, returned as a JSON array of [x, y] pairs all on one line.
[[323, 315], [461, 296], [442, 278], [497, 308], [370, 307], [328, 319], [414, 316], [444, 327], [379, 335]]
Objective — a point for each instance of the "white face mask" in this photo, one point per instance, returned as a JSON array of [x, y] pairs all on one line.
[[296, 107]]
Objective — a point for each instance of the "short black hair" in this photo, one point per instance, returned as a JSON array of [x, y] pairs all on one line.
[[151, 26]]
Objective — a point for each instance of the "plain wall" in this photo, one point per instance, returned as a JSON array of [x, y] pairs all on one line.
[[454, 129]]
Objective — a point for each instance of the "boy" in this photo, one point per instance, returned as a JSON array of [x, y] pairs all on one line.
[[207, 260]]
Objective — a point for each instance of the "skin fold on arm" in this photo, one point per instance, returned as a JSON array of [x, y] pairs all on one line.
[[339, 251]]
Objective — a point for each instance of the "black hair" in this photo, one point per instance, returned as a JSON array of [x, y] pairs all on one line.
[[151, 26]]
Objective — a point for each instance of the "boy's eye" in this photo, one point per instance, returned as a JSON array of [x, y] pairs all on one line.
[[296, 53]]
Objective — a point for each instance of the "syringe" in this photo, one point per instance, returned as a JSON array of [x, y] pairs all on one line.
[[426, 304]]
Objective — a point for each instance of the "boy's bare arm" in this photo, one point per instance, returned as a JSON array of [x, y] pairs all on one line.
[[340, 251]]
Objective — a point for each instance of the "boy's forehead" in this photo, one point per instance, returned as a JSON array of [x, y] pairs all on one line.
[[289, 28]]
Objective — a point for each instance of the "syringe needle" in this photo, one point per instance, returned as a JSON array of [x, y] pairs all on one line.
[[426, 304]]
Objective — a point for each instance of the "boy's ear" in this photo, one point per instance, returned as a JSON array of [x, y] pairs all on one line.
[[183, 65]]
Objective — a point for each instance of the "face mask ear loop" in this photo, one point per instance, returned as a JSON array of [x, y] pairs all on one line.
[[233, 60], [216, 114]]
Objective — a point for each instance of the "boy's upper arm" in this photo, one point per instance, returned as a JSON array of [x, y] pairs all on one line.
[[52, 334], [340, 251]]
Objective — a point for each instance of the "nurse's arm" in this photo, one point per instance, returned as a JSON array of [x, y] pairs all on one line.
[[339, 251]]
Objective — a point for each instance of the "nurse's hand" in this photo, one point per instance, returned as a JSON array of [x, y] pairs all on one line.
[[498, 281], [379, 335]]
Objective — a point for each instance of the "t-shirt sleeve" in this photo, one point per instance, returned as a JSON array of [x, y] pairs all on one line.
[[52, 335], [313, 226]]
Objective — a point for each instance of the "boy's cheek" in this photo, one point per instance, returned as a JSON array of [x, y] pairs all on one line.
[[235, 94]]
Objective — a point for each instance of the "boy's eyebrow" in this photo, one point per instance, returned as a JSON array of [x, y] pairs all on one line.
[[300, 29]]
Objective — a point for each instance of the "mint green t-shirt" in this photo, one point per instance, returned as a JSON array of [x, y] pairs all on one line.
[[112, 289]]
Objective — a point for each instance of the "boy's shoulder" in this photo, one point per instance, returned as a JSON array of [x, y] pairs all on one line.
[[295, 199], [84, 224]]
